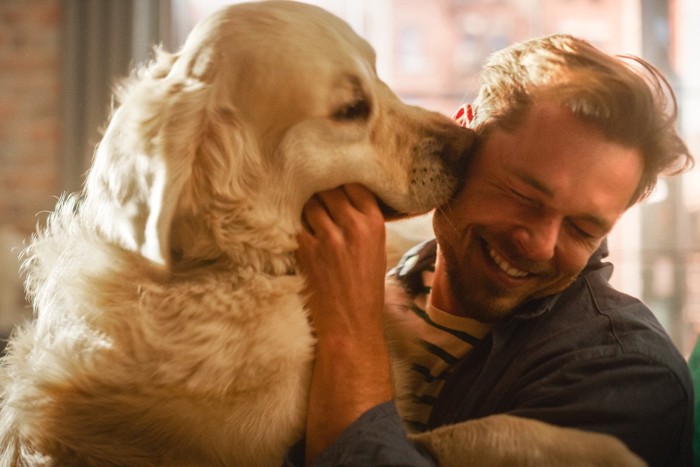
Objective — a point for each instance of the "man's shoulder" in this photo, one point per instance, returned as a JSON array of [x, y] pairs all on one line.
[[595, 316]]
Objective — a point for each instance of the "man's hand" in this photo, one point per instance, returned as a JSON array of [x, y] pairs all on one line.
[[342, 254]]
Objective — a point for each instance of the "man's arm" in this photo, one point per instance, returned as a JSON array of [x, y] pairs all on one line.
[[376, 438], [640, 402], [342, 254]]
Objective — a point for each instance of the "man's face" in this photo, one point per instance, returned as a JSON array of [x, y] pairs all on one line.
[[536, 204]]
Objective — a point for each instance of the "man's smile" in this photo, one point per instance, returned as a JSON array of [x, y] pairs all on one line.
[[504, 265]]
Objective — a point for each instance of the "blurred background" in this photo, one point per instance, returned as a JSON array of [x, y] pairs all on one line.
[[60, 59]]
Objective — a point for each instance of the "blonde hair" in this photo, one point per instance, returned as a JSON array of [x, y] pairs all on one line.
[[626, 97]]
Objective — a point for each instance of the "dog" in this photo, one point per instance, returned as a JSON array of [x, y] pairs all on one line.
[[170, 325]]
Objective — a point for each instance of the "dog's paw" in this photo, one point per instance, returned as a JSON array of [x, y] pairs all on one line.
[[505, 440]]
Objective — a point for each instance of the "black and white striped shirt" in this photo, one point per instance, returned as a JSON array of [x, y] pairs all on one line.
[[434, 341]]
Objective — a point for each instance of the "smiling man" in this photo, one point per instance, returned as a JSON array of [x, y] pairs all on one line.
[[511, 310], [536, 204]]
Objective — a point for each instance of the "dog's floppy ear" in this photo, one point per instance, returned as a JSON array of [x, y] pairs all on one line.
[[146, 156]]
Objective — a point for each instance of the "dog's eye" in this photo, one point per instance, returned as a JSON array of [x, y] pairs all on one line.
[[358, 110]]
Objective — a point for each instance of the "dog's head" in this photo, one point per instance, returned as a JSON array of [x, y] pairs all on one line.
[[214, 150]]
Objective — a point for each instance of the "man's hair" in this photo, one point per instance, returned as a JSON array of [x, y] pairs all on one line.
[[626, 97]]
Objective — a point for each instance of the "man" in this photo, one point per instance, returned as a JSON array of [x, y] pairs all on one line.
[[568, 138]]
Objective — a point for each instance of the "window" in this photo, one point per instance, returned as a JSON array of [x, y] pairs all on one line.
[[439, 48]]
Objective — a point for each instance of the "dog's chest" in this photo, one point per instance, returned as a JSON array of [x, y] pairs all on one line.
[[208, 330]]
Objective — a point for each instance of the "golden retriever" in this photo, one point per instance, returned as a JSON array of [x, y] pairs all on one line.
[[169, 325]]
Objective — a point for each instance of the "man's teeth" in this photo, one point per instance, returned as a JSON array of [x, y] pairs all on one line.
[[505, 266]]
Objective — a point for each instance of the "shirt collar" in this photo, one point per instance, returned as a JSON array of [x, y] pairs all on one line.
[[422, 257]]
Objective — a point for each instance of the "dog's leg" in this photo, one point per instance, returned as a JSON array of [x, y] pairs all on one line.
[[505, 440]]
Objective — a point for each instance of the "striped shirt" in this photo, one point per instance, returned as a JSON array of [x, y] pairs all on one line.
[[435, 341]]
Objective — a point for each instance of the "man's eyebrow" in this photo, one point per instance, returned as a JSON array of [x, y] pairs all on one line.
[[534, 183], [599, 222]]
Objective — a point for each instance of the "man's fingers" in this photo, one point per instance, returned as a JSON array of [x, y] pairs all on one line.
[[337, 213], [315, 216], [361, 198], [336, 203], [351, 204]]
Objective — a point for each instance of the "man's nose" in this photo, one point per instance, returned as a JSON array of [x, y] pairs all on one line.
[[537, 239]]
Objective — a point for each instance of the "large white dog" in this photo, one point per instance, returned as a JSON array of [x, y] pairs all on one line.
[[170, 325]]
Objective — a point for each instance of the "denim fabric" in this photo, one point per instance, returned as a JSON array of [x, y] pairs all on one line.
[[377, 438]]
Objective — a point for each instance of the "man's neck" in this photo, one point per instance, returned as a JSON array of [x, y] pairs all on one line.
[[440, 294]]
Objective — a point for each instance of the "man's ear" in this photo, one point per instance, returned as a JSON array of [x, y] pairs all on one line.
[[464, 115]]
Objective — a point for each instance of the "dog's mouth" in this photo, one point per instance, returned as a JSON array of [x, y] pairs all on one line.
[[389, 213]]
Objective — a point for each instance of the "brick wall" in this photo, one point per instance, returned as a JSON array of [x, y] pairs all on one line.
[[30, 88], [30, 92]]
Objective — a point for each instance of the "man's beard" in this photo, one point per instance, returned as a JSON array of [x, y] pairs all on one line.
[[486, 308], [476, 296], [482, 300]]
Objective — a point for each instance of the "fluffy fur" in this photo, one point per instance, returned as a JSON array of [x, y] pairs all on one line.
[[169, 321], [504, 440], [170, 328]]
